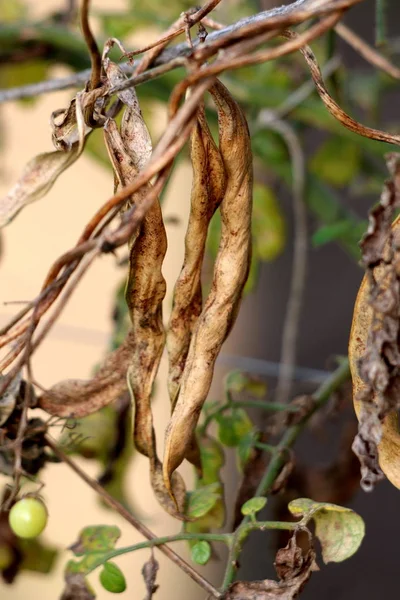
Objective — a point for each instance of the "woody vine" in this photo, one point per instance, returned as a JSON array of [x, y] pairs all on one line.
[[201, 110]]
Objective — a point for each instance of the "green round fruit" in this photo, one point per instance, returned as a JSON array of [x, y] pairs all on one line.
[[112, 579], [28, 517]]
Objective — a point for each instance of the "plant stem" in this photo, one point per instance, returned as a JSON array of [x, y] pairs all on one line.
[[278, 458], [226, 538], [125, 514], [267, 406]]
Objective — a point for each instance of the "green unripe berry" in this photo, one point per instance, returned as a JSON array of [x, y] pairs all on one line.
[[28, 517]]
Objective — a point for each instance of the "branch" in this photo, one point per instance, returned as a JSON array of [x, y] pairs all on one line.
[[284, 16], [125, 514], [279, 455]]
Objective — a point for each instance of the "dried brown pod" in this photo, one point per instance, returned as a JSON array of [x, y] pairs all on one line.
[[229, 277], [145, 291], [208, 187]]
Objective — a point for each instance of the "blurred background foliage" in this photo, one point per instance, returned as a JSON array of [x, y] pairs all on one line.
[[337, 160]]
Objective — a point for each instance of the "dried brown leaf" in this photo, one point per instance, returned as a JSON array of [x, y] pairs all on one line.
[[230, 274], [373, 346], [42, 171], [79, 398], [149, 572], [294, 570], [77, 588]]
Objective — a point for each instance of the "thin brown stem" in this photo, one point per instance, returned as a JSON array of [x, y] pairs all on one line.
[[125, 514], [95, 56]]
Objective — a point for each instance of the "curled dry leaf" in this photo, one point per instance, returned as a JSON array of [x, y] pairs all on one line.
[[208, 187], [77, 398], [294, 570], [230, 274], [42, 171], [373, 347], [149, 572]]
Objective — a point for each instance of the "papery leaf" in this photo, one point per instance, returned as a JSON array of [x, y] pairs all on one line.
[[37, 178]]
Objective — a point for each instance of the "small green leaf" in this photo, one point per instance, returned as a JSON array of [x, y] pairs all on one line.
[[94, 542], [96, 538], [233, 426], [202, 500], [340, 530], [112, 578], [269, 227], [330, 233], [237, 381], [254, 505], [201, 552], [37, 556], [337, 161], [245, 448], [212, 459]]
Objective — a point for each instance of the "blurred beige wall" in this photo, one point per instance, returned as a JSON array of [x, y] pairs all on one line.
[[39, 234]]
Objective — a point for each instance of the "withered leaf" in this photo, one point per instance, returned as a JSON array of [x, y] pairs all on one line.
[[77, 588], [230, 274], [373, 347], [36, 180], [294, 570], [78, 398], [149, 572], [42, 171]]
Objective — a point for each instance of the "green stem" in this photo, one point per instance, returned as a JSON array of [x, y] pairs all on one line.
[[226, 538], [275, 465], [267, 406], [240, 536], [380, 22]]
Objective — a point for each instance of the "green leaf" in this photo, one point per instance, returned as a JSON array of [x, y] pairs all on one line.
[[340, 530], [330, 233], [112, 578], [202, 500], [233, 426], [254, 505], [237, 381], [337, 161], [96, 538], [12, 11], [37, 556], [212, 459], [93, 545], [245, 448], [201, 552], [269, 227]]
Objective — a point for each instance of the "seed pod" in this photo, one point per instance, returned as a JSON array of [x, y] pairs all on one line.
[[208, 187], [230, 274], [145, 291]]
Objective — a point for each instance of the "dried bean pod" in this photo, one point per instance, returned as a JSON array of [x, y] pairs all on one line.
[[230, 274], [208, 187], [145, 292]]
